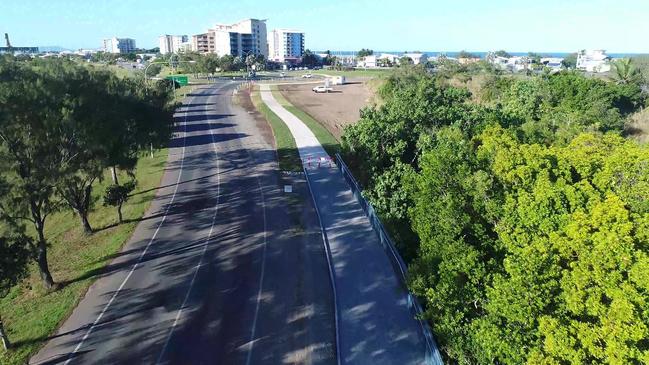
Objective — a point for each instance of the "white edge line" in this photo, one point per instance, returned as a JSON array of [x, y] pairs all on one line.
[[330, 266], [207, 240], [325, 241], [263, 268], [164, 217]]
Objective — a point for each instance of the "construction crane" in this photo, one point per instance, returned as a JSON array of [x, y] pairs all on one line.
[[7, 39]]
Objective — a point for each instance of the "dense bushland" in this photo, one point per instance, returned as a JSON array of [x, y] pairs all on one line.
[[524, 218]]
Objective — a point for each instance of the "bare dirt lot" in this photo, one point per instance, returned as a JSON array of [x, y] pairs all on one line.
[[334, 110]]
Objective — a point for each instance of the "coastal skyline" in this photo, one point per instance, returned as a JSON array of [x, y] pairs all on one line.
[[472, 25]]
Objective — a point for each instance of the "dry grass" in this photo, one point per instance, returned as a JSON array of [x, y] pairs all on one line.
[[638, 126]]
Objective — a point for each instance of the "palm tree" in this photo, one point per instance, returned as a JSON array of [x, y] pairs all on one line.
[[624, 71]]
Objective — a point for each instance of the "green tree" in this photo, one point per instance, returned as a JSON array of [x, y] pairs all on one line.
[[14, 256], [571, 290], [129, 56], [625, 72], [524, 225], [310, 59], [250, 60], [465, 54], [570, 61], [117, 195], [329, 59], [30, 154], [453, 210], [154, 70], [405, 61], [208, 63], [227, 63], [364, 52], [503, 53]]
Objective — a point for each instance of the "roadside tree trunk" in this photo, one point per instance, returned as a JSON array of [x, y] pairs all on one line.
[[113, 171], [3, 336], [41, 257], [78, 194], [84, 208], [119, 214], [87, 228]]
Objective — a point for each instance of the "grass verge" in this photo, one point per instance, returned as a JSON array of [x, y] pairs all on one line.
[[31, 314], [326, 139], [287, 153]]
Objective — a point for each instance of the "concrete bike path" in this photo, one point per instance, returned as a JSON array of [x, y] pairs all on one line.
[[376, 325]]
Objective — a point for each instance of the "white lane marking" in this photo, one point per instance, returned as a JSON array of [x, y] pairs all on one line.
[[164, 218], [261, 275], [205, 244]]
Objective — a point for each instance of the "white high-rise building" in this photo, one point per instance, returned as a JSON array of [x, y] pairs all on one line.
[[239, 39], [285, 45], [119, 45], [173, 43]]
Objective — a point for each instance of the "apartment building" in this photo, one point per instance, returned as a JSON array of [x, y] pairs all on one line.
[[203, 43], [285, 45], [173, 43], [119, 45], [240, 39]]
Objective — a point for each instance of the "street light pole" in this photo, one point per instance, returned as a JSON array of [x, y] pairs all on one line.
[[147, 68]]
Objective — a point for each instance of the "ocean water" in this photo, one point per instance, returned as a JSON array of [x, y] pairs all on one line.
[[481, 54]]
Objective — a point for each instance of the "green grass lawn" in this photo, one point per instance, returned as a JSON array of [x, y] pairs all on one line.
[[287, 153], [31, 314], [182, 92], [326, 139]]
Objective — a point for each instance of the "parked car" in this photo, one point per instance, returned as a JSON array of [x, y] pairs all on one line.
[[322, 89]]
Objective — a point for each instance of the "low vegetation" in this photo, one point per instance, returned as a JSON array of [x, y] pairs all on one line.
[[524, 217]]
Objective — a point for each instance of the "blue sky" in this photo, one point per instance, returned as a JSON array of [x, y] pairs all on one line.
[[449, 25]]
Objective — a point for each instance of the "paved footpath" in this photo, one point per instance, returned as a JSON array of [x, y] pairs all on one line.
[[376, 324]]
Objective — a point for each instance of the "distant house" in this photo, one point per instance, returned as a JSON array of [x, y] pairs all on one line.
[[390, 58], [518, 64], [593, 61], [513, 64], [498, 60], [417, 57], [468, 60], [553, 63], [367, 62]]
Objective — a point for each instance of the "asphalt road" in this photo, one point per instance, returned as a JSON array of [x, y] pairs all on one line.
[[225, 268]]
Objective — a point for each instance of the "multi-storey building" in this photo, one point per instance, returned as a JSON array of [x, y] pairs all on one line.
[[203, 43], [239, 39], [173, 43], [119, 45], [285, 45]]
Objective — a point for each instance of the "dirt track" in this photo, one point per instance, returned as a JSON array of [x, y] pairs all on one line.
[[334, 110]]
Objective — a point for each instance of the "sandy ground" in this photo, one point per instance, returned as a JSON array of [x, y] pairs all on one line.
[[334, 110]]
